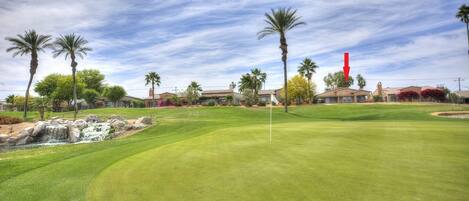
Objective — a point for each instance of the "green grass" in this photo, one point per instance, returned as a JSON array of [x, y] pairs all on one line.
[[336, 152]]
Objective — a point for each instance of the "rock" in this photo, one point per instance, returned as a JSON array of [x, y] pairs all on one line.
[[55, 133], [138, 126], [26, 132], [73, 134], [3, 138], [39, 128], [113, 117], [24, 140], [118, 125], [96, 132], [12, 140], [93, 119], [80, 124], [144, 120]]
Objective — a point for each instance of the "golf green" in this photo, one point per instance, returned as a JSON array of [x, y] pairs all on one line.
[[337, 152]]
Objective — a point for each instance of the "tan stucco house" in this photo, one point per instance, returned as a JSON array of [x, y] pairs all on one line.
[[344, 95]]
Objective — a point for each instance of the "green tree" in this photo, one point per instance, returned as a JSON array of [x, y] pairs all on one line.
[[253, 81], [90, 96], [41, 104], [193, 92], [71, 45], [279, 22], [30, 43], [306, 69], [299, 89], [48, 85], [154, 79], [10, 99], [56, 88], [361, 81], [114, 94], [20, 100], [337, 80], [92, 78], [463, 16]]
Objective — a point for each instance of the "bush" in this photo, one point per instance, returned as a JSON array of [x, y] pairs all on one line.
[[377, 98], [9, 120], [211, 103], [261, 103], [408, 95], [434, 94]]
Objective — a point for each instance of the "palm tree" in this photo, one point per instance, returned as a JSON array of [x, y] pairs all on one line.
[[154, 79], [306, 69], [193, 91], [252, 81], [463, 15], [29, 43], [71, 45], [280, 21], [361, 81]]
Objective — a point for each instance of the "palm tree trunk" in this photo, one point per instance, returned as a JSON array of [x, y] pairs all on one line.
[[153, 95], [32, 71], [283, 47], [74, 69], [309, 91], [467, 30]]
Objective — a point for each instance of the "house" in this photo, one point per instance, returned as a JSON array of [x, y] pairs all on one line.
[[164, 99], [463, 96], [390, 94], [265, 95], [3, 105], [344, 95], [126, 101], [220, 96]]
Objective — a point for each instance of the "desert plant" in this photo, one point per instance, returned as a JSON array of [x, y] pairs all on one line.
[[154, 79]]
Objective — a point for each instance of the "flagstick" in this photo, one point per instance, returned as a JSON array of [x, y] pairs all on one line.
[[270, 127]]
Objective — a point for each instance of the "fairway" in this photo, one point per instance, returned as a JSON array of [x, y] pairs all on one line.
[[326, 152]]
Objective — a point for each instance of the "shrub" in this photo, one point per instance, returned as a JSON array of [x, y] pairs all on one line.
[[408, 95], [211, 103], [434, 94], [377, 98], [9, 120], [261, 103]]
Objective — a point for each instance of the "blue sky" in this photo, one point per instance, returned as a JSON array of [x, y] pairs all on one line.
[[398, 42]]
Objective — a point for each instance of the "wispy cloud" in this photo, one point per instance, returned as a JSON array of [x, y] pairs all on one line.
[[214, 42]]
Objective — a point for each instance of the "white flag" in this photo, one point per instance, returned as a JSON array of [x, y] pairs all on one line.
[[273, 99]]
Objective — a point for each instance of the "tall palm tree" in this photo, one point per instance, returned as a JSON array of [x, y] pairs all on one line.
[[280, 21], [29, 43], [463, 15], [154, 79], [306, 69], [193, 91], [71, 45]]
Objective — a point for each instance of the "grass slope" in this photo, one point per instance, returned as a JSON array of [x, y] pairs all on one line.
[[340, 152]]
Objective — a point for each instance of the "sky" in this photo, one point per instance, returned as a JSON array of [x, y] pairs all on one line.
[[397, 42]]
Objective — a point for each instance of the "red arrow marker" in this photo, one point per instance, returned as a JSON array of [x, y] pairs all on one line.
[[346, 66]]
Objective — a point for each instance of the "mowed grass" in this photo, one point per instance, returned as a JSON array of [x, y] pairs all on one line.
[[326, 152]]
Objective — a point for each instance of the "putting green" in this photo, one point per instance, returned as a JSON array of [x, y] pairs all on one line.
[[306, 161]]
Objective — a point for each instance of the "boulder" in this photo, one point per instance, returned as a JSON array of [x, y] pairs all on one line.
[[26, 132], [138, 126], [118, 125], [80, 124], [93, 119], [3, 138], [113, 117], [24, 140], [144, 120], [73, 134], [39, 128]]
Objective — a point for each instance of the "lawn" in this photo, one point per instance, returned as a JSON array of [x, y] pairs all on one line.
[[321, 152]]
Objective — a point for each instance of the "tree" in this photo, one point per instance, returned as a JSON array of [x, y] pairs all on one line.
[[299, 89], [279, 22], [20, 100], [41, 104], [250, 98], [10, 99], [408, 95], [361, 81], [306, 69], [71, 45], [193, 92], [337, 80], [434, 94], [154, 79], [29, 43], [93, 79], [253, 81], [463, 16], [114, 94], [56, 88], [90, 96]]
